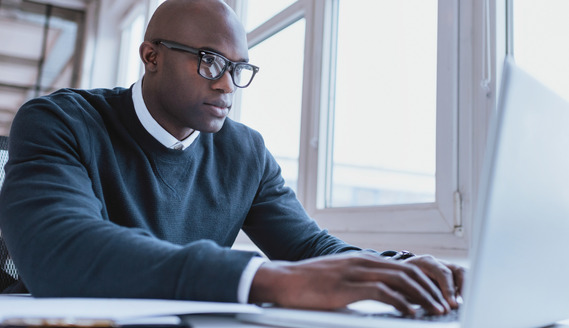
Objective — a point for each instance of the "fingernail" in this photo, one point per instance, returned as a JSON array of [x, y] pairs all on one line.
[[440, 308], [446, 306], [454, 301]]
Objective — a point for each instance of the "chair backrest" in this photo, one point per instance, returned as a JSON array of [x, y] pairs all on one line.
[[8, 272]]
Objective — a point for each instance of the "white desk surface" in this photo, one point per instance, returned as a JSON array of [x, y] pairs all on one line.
[[212, 321], [95, 308]]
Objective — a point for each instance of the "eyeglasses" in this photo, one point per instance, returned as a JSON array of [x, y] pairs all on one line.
[[212, 65]]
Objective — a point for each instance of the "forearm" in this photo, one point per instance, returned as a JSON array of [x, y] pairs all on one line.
[[108, 261], [268, 283], [280, 226]]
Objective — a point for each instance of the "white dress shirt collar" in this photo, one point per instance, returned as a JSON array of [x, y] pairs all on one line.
[[155, 129]]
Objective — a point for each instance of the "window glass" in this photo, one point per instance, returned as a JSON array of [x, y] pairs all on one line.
[[541, 30], [272, 103], [261, 10], [131, 38], [384, 126]]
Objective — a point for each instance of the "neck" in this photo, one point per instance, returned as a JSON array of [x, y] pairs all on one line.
[[153, 106]]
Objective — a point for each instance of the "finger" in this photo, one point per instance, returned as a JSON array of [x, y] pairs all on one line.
[[383, 293], [407, 286], [455, 274], [441, 275], [428, 285], [432, 304], [458, 275], [425, 293], [444, 278]]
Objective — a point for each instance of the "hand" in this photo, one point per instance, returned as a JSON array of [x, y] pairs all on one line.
[[447, 276], [334, 281]]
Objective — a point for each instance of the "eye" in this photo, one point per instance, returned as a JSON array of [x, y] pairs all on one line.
[[208, 59]]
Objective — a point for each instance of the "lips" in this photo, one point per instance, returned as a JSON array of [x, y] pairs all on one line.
[[220, 104], [219, 108]]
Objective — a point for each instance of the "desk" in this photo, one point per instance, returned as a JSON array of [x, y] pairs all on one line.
[[212, 321], [119, 310], [217, 321]]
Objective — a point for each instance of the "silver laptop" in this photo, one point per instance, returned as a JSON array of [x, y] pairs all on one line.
[[519, 262]]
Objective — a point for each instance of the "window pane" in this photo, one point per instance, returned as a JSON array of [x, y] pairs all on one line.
[[131, 38], [261, 10], [384, 138], [541, 29], [272, 103]]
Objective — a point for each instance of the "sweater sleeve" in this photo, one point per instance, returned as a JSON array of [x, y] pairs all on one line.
[[54, 229], [278, 223]]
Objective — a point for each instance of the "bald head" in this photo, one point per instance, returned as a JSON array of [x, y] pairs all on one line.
[[182, 20]]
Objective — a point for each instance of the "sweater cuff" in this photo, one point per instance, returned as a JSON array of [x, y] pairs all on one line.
[[247, 278]]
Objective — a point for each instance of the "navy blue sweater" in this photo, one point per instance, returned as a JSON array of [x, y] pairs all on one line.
[[94, 206]]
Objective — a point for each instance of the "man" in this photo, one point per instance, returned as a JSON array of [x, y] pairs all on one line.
[[139, 192]]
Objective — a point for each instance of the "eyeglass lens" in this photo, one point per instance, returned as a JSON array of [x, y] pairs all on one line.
[[212, 67]]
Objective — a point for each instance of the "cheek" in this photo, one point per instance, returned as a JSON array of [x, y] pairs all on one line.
[[181, 89], [183, 103], [178, 73]]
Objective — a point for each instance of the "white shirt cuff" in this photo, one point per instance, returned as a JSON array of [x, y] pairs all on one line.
[[247, 279]]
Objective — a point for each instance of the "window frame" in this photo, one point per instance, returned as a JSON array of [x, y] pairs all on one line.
[[432, 217], [443, 227]]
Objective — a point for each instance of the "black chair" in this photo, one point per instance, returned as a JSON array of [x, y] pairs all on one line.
[[8, 273]]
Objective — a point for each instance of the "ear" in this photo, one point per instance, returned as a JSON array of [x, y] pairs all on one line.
[[149, 55]]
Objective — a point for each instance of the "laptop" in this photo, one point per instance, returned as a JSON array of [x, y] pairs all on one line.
[[519, 262]]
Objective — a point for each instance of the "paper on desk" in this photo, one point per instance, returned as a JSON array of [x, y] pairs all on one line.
[[109, 308]]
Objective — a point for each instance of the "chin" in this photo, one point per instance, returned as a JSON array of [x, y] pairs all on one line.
[[213, 127]]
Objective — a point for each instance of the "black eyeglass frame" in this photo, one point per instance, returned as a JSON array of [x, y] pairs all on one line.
[[229, 64]]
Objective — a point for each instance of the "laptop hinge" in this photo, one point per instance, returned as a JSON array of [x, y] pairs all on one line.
[[458, 229]]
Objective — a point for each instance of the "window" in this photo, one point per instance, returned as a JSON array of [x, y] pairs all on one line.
[[540, 29], [132, 35], [383, 145], [358, 101], [261, 10], [272, 105]]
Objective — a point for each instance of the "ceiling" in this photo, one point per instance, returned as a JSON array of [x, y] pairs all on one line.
[[38, 52]]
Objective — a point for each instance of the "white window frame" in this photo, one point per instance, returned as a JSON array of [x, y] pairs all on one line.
[[371, 224], [442, 227]]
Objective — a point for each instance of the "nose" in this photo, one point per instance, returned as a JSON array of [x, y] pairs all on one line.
[[224, 83]]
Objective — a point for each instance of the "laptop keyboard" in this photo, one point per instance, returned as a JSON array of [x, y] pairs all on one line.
[[452, 316]]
